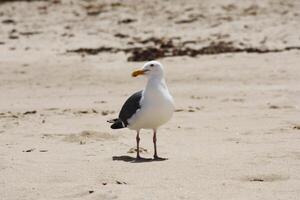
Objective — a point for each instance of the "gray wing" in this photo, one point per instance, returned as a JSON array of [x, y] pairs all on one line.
[[130, 107]]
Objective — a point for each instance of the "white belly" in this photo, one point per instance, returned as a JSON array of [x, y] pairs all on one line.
[[155, 111]]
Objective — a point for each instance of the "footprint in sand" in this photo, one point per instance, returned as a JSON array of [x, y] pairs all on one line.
[[82, 137], [296, 127], [233, 139], [92, 194], [265, 178]]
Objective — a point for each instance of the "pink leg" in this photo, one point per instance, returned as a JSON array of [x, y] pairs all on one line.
[[154, 142], [155, 156], [138, 144]]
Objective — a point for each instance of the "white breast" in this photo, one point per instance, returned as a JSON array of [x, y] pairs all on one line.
[[157, 108]]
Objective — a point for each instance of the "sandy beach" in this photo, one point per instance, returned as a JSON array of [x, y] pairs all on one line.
[[231, 66]]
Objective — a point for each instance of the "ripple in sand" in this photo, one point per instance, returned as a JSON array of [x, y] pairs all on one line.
[[82, 137], [265, 178]]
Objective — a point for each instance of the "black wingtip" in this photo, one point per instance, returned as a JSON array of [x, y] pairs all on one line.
[[117, 124]]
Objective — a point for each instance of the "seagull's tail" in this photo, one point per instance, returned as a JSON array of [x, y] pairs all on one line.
[[117, 123]]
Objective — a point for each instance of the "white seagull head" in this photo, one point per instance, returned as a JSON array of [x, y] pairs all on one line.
[[151, 69]]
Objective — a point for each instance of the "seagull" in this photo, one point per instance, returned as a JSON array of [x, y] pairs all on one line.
[[149, 108]]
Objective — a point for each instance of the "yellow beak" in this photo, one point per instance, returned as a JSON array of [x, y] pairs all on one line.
[[138, 72]]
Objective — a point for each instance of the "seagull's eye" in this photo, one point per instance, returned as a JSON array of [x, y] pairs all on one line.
[[151, 65]]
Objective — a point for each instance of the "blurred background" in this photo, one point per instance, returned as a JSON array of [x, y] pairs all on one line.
[[145, 30], [231, 65]]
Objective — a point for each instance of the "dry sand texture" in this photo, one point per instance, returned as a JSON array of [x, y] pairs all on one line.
[[232, 67]]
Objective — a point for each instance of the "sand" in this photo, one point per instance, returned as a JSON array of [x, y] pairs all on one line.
[[235, 133]]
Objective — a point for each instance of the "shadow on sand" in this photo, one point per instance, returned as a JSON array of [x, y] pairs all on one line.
[[134, 160]]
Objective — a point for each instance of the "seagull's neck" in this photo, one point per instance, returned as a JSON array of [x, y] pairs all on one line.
[[156, 90], [156, 83]]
